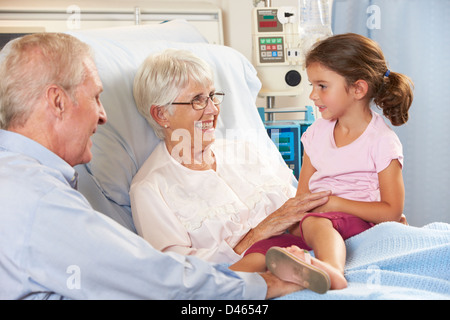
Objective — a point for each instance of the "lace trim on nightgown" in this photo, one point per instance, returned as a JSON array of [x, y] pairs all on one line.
[[230, 211]]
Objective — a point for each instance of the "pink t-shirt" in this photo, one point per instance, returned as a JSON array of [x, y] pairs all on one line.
[[351, 171]]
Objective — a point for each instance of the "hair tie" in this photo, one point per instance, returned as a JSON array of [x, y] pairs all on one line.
[[388, 72]]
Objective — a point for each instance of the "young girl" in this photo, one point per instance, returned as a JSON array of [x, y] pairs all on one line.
[[350, 151]]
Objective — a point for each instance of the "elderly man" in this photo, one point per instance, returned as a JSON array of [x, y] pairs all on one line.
[[52, 242]]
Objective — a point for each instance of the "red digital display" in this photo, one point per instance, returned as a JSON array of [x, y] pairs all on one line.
[[267, 24]]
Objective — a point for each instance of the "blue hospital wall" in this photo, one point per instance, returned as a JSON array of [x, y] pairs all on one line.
[[415, 37]]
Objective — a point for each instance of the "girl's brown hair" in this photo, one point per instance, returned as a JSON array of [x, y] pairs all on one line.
[[355, 57]]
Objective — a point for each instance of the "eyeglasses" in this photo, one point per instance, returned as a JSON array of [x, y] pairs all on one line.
[[201, 102]]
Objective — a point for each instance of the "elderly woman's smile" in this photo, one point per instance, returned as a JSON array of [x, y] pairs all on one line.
[[205, 125]]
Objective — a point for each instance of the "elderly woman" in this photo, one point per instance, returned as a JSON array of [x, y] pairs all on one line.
[[188, 197]]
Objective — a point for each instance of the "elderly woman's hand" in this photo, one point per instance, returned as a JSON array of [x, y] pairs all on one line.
[[280, 220], [290, 213]]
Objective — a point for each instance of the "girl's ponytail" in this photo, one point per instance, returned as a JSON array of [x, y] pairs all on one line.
[[395, 97]]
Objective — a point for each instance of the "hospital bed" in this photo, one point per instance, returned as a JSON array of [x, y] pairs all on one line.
[[389, 261]]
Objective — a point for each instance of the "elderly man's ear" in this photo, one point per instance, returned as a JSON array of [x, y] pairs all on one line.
[[159, 115], [57, 100]]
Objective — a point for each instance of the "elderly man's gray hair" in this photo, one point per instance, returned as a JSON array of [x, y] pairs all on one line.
[[28, 65]]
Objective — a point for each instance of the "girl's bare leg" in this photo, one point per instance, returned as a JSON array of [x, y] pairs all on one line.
[[253, 262], [329, 249]]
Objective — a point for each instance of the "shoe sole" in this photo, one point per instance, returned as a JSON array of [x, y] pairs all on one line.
[[289, 268]]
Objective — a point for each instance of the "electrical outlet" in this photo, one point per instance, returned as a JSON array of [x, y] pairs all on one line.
[[293, 54]]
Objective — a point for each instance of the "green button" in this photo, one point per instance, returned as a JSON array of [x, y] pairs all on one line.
[[274, 40], [262, 41], [279, 40]]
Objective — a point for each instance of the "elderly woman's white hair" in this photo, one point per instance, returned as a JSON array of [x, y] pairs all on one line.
[[162, 77], [57, 59]]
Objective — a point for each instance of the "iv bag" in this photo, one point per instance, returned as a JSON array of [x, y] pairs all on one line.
[[315, 21]]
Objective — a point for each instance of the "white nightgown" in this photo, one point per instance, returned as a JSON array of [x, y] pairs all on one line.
[[206, 213]]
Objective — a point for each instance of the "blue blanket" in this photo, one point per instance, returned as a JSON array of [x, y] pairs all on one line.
[[394, 261]]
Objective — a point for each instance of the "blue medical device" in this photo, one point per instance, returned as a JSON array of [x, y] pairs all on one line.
[[286, 135]]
